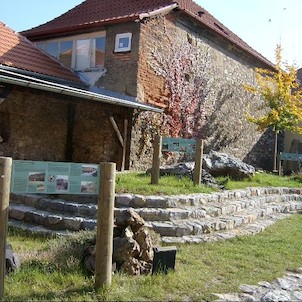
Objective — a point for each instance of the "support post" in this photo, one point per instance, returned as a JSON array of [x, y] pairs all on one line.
[[105, 220], [279, 164], [5, 178], [124, 144], [198, 162], [156, 159]]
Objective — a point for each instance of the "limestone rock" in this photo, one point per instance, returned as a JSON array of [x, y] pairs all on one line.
[[221, 164]]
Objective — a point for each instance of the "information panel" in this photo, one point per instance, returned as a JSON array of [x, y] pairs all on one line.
[[54, 177], [185, 145], [291, 156]]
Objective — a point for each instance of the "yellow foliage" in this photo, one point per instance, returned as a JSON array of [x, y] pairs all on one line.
[[281, 96]]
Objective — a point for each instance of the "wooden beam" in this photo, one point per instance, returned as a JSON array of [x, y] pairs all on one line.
[[125, 144], [115, 127]]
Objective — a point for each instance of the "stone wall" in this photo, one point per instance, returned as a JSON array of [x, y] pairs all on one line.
[[37, 124], [226, 128], [121, 67]]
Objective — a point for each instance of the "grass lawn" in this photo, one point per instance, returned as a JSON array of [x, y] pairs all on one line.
[[139, 183], [200, 269], [51, 268]]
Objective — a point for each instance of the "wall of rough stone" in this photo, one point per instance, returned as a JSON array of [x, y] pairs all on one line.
[[226, 128], [36, 126], [121, 67]]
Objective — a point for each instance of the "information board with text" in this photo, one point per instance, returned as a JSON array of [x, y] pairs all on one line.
[[54, 177], [185, 145]]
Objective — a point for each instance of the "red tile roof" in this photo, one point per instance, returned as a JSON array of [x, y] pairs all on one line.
[[18, 52], [97, 13]]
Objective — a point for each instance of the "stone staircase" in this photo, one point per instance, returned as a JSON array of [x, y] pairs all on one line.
[[178, 219]]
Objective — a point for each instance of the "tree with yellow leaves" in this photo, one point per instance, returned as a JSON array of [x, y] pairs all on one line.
[[281, 99]]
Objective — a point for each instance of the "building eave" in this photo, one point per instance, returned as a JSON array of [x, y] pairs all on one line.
[[13, 78]]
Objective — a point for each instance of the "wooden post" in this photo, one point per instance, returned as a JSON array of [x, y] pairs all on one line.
[[105, 220], [198, 162], [279, 164], [5, 177], [124, 144], [156, 159]]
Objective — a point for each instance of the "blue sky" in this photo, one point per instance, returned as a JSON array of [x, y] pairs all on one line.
[[261, 23]]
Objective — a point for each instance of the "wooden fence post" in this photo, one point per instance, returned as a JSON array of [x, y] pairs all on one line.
[[105, 220], [156, 159], [198, 162], [5, 177]]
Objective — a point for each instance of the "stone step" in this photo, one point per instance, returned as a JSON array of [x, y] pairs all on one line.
[[49, 219], [252, 228], [197, 200], [56, 205], [35, 228], [170, 216], [210, 209], [186, 227]]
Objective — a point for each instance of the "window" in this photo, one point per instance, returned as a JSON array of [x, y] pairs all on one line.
[[65, 54], [80, 53], [123, 42]]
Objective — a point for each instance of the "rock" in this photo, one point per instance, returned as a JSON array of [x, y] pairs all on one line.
[[144, 240], [221, 164], [132, 246], [179, 169], [210, 181], [124, 248], [187, 169], [130, 218], [12, 262], [276, 296], [248, 289]]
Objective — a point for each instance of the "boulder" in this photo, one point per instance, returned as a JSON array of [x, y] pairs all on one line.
[[222, 164], [187, 169], [179, 169]]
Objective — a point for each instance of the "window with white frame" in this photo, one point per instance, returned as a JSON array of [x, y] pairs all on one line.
[[79, 52], [123, 42]]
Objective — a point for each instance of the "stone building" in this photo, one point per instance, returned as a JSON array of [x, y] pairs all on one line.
[[122, 47], [47, 114]]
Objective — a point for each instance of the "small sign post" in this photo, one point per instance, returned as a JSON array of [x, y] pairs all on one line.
[[105, 220], [198, 162], [157, 147], [5, 177], [169, 144]]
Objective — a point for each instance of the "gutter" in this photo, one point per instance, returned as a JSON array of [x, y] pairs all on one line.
[[14, 78]]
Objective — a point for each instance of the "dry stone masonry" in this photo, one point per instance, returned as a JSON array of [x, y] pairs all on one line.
[[177, 219]]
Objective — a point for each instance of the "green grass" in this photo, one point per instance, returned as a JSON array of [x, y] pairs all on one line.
[[263, 180], [200, 269], [140, 183]]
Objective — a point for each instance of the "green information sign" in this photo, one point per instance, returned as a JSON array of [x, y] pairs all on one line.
[[185, 145], [291, 156], [54, 177]]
